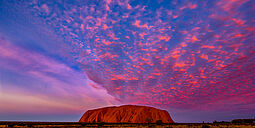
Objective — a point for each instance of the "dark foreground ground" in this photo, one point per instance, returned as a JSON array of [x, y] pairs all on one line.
[[6, 124]]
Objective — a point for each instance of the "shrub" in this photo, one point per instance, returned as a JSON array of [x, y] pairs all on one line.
[[205, 126], [148, 120], [101, 123], [159, 122]]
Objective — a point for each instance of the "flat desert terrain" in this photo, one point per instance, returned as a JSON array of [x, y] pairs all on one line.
[[6, 124]]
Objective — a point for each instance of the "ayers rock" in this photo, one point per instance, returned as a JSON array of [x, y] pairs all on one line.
[[126, 113]]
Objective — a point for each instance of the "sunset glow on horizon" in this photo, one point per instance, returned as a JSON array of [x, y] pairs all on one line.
[[193, 58]]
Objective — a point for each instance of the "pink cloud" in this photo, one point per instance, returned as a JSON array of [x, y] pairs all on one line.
[[68, 91]]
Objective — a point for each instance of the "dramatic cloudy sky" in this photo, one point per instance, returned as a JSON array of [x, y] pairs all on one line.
[[194, 58]]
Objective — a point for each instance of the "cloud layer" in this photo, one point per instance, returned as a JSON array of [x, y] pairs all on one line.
[[173, 54], [38, 84]]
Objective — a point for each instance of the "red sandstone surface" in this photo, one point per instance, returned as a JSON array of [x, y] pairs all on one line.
[[126, 113]]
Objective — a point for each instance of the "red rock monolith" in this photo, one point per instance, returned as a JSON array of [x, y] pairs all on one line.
[[126, 113]]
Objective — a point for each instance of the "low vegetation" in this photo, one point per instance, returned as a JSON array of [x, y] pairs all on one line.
[[158, 124]]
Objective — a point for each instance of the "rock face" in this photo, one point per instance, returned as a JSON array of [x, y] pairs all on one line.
[[126, 113]]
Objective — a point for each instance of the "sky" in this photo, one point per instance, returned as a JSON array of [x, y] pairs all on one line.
[[193, 58]]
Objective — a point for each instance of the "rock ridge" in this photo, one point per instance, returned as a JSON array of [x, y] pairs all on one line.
[[127, 114]]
